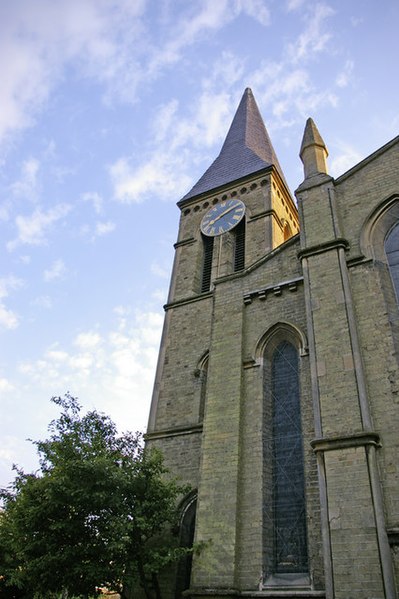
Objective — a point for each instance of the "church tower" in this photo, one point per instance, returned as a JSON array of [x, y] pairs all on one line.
[[262, 393]]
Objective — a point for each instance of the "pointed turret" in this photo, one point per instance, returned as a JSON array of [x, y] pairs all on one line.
[[246, 150], [313, 152]]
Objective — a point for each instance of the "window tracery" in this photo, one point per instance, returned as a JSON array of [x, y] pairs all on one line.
[[284, 508]]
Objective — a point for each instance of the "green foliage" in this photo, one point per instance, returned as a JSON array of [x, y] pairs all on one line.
[[95, 515]]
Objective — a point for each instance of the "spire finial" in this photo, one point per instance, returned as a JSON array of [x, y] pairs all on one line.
[[313, 152]]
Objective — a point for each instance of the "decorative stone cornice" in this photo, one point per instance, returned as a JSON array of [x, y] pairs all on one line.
[[346, 441], [276, 290]]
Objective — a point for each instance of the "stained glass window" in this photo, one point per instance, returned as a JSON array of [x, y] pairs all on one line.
[[284, 498], [392, 252]]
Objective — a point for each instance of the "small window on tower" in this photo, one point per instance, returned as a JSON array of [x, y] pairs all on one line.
[[239, 250], [287, 231], [207, 263]]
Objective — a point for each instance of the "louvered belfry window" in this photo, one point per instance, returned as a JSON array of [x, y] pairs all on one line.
[[392, 252], [207, 263], [239, 250], [285, 541]]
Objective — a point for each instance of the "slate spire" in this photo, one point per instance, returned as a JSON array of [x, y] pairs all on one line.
[[246, 150]]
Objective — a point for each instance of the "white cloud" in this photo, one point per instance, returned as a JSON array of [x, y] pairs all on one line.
[[99, 229], [211, 16], [103, 228], [5, 385], [56, 271], [167, 162], [40, 39], [95, 199], [26, 186], [32, 229], [289, 92], [43, 301], [8, 318], [164, 119], [114, 371], [5, 209], [160, 270], [344, 76], [8, 284], [346, 156], [134, 184], [88, 340], [160, 296], [314, 38], [226, 71], [256, 9], [9, 449], [293, 5]]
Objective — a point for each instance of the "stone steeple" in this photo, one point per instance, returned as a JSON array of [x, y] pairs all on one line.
[[246, 150], [313, 152]]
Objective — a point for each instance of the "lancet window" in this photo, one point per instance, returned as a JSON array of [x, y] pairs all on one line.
[[284, 529], [392, 252]]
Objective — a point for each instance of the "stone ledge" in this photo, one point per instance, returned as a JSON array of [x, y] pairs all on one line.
[[188, 300], [173, 432], [346, 441], [321, 248], [187, 241]]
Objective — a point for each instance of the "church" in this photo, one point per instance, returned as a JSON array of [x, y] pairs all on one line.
[[276, 394]]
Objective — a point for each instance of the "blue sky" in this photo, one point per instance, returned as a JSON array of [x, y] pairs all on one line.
[[110, 112]]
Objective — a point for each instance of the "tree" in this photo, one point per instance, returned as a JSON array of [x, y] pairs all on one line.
[[96, 514]]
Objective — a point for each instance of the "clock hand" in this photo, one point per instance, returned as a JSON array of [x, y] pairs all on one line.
[[212, 222]]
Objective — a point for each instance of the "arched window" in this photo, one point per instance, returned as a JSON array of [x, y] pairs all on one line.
[[203, 375], [187, 529], [287, 231], [206, 263], [392, 251], [284, 529]]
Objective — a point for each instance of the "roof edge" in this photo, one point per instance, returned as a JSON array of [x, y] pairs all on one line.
[[368, 159], [216, 190]]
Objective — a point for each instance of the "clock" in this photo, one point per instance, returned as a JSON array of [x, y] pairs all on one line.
[[222, 217]]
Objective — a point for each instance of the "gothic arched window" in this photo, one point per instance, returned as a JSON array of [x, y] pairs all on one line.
[[284, 529], [187, 529], [203, 381], [392, 252]]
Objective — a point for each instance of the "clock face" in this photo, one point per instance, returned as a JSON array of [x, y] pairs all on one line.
[[222, 217]]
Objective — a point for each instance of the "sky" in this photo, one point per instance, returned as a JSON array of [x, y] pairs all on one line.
[[110, 111]]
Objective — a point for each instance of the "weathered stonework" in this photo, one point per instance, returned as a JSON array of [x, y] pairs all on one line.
[[327, 291]]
